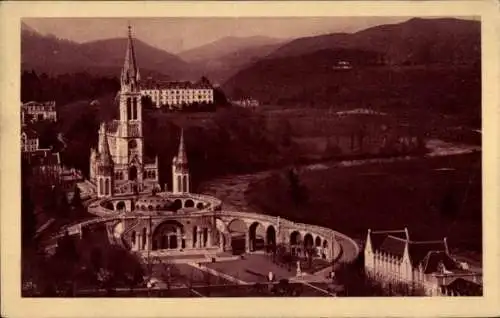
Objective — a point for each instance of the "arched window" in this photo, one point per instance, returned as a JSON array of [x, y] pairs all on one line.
[[107, 187], [101, 186], [144, 238], [205, 237], [179, 183], [129, 106], [134, 108], [132, 173], [195, 235], [184, 184]]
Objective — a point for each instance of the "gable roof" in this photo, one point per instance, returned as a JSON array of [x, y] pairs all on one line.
[[393, 245], [434, 258], [419, 250], [465, 287], [157, 84], [378, 237]]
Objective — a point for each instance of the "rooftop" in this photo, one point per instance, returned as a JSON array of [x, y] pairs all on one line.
[[153, 84]]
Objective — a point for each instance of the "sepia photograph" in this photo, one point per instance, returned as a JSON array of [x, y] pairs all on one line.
[[190, 157], [262, 157]]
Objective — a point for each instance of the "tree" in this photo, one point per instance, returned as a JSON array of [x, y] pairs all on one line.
[[298, 192], [62, 204], [449, 206], [76, 201], [310, 251], [96, 259], [28, 218]]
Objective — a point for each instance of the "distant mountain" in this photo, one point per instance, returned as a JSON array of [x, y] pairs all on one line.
[[51, 55], [416, 41], [221, 59], [316, 80], [224, 46], [420, 64], [221, 68]]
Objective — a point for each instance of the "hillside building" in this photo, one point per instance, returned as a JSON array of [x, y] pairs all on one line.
[[390, 256], [45, 166], [247, 103], [176, 95], [35, 111], [29, 140]]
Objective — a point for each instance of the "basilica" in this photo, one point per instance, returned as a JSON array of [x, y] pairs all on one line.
[[118, 165], [124, 191]]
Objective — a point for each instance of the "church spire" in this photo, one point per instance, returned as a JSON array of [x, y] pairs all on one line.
[[105, 154], [130, 72], [181, 154]]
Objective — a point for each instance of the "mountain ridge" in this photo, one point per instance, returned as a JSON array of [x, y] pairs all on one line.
[[52, 55]]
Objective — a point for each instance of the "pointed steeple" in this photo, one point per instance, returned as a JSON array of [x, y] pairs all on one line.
[[181, 154], [130, 72], [105, 154]]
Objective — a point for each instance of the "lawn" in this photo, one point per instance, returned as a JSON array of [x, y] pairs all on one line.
[[434, 198]]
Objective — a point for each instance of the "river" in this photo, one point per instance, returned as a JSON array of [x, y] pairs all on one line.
[[231, 189]]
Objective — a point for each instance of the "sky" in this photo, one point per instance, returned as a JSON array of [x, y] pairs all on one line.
[[179, 34]]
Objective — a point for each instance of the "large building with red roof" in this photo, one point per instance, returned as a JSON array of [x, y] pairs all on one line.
[[390, 256]]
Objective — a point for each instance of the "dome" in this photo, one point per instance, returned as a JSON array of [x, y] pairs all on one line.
[[153, 203]]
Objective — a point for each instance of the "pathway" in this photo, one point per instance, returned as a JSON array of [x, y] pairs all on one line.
[[218, 274]]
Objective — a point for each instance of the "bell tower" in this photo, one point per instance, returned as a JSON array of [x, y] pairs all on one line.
[[131, 143]]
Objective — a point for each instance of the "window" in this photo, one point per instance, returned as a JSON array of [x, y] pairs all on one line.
[[184, 184], [132, 144], [101, 186], [129, 110], [134, 108]]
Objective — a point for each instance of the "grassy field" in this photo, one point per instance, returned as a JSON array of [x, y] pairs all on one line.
[[434, 198]]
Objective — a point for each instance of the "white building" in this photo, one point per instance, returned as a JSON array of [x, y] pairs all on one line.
[[35, 111], [390, 256], [247, 102], [177, 94], [29, 140]]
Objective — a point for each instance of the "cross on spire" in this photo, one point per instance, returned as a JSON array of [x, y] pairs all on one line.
[[130, 71]]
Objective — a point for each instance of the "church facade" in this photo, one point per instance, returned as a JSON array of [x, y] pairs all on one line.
[[119, 165]]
